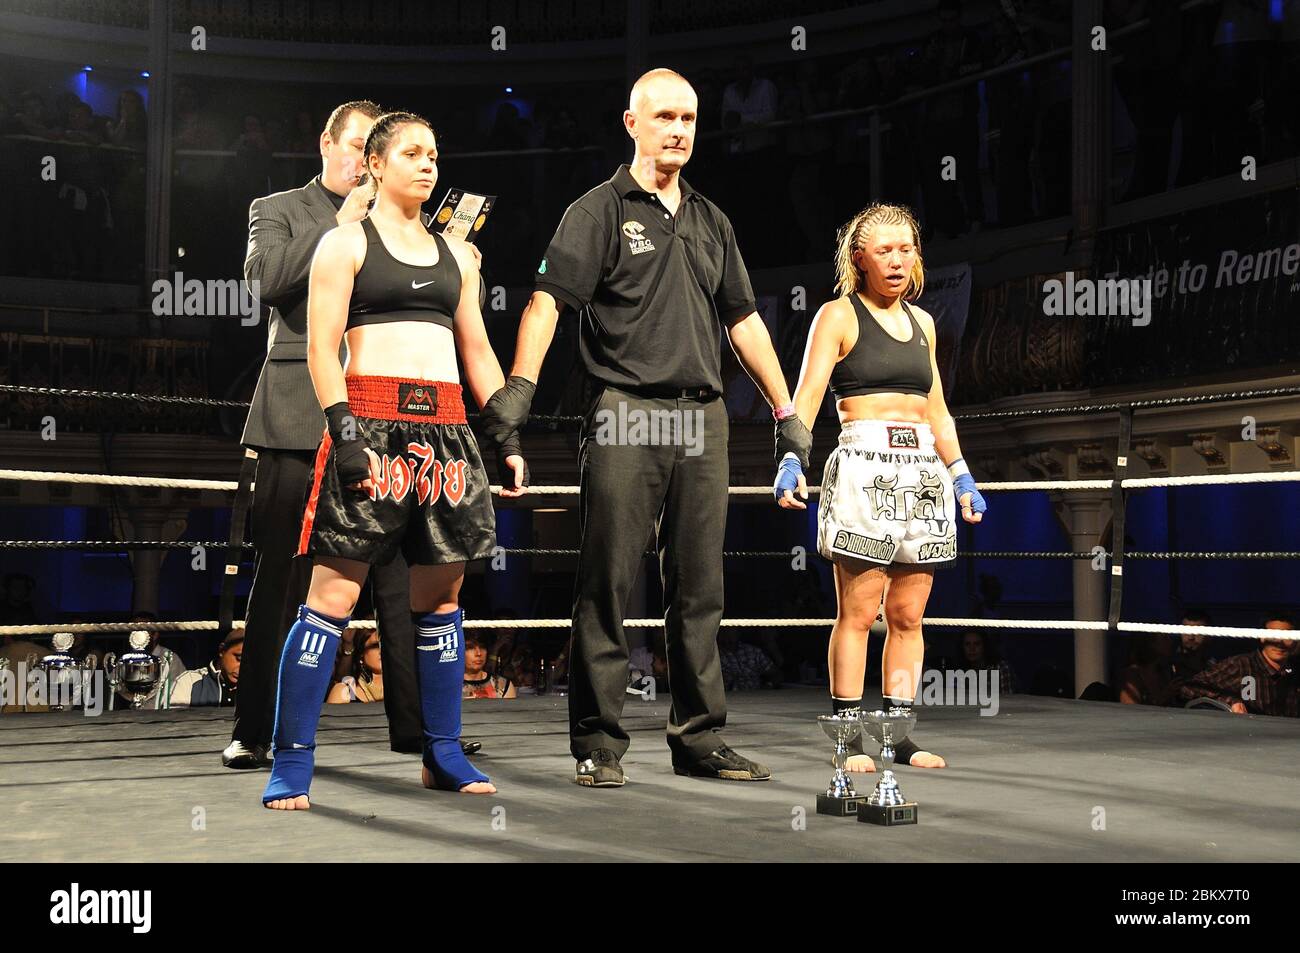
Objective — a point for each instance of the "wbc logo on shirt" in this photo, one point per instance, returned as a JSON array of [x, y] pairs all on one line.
[[634, 232]]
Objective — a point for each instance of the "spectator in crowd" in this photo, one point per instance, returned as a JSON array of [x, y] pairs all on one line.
[[479, 682], [16, 606], [1146, 680], [1191, 655], [82, 125], [306, 133], [365, 683], [33, 117], [1259, 682], [744, 667], [980, 653], [649, 662], [131, 126], [215, 685]]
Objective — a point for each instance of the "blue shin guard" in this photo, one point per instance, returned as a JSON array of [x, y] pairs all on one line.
[[305, 669], [440, 669]]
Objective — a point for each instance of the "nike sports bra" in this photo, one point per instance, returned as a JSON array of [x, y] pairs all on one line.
[[386, 289], [879, 363]]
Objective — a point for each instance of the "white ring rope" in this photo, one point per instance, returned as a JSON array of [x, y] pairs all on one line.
[[1025, 624], [1289, 476]]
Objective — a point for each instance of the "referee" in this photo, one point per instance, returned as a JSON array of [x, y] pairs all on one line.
[[653, 269]]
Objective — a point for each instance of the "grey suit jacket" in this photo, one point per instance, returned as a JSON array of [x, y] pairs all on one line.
[[283, 232]]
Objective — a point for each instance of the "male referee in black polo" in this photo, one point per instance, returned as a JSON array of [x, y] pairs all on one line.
[[653, 268]]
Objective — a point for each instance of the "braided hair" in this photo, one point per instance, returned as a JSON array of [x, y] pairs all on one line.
[[853, 237], [385, 130]]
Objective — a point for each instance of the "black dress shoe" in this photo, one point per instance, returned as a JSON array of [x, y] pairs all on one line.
[[417, 747], [724, 764], [600, 769], [242, 757]]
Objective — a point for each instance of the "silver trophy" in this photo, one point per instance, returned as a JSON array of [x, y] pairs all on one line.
[[886, 804], [62, 674], [137, 671], [841, 798]]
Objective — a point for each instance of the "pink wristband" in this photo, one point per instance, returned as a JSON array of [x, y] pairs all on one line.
[[784, 412]]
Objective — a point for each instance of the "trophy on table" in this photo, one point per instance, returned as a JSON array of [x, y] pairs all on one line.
[[841, 798], [137, 670], [886, 804]]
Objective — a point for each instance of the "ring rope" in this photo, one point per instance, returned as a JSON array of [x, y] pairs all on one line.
[[104, 479], [121, 545], [573, 418], [1023, 624]]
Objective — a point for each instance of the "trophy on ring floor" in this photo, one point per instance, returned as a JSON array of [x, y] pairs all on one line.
[[886, 804], [136, 670], [841, 798]]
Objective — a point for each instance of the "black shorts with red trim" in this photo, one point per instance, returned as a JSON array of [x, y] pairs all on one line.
[[432, 499]]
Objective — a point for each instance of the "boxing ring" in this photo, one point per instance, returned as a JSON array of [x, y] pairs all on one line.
[[1041, 779]]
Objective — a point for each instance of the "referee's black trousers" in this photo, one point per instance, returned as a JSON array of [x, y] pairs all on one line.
[[630, 484], [280, 584]]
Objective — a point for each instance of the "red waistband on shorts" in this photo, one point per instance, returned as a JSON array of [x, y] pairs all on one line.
[[401, 398]]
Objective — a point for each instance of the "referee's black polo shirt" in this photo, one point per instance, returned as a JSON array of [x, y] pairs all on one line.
[[651, 288]]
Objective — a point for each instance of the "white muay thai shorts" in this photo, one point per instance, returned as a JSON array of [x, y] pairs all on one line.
[[887, 497]]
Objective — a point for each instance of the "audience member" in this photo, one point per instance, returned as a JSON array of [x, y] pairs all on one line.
[[744, 667], [217, 684], [1146, 680], [1260, 682], [365, 681], [479, 682], [979, 652]]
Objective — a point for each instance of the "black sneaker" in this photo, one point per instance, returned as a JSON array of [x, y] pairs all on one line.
[[724, 764], [600, 770]]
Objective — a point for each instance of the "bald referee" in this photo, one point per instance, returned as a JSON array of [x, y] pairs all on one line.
[[653, 269]]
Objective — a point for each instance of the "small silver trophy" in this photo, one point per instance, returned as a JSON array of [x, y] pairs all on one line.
[[841, 798], [62, 674], [886, 804], [137, 670]]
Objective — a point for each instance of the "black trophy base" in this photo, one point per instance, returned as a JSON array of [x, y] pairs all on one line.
[[888, 815], [840, 806]]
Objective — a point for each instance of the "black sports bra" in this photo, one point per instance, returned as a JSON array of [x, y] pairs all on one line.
[[386, 289], [879, 363]]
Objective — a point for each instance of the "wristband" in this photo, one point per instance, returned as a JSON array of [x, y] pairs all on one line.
[[784, 412], [958, 468]]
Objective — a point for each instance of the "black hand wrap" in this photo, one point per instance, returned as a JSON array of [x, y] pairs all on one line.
[[793, 437], [350, 460], [501, 419], [506, 411], [508, 448]]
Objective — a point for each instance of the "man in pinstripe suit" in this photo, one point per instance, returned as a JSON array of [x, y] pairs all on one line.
[[284, 426]]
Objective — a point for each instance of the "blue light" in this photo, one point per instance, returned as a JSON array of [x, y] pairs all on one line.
[[510, 89], [1275, 11], [144, 74], [87, 69]]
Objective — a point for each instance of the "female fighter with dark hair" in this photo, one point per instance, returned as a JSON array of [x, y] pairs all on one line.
[[398, 465]]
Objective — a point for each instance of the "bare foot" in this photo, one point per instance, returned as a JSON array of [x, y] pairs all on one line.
[[474, 787], [927, 759], [860, 763], [299, 803]]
